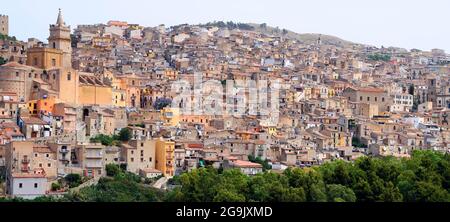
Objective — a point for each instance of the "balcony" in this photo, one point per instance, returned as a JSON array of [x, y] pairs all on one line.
[[64, 151], [169, 164], [94, 165], [94, 155]]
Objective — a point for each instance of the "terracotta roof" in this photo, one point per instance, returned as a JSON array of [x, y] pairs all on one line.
[[368, 89], [243, 163], [34, 174], [42, 149], [195, 145], [16, 64], [33, 120]]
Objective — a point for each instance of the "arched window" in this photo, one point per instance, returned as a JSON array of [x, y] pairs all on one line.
[[69, 76], [54, 45]]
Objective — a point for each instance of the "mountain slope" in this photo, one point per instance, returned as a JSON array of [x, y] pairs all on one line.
[[307, 38]]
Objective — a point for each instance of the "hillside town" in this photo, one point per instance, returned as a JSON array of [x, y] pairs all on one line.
[[100, 94]]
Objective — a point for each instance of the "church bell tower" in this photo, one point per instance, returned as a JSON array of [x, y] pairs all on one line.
[[60, 39]]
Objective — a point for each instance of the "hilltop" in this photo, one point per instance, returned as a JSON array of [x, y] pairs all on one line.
[[306, 38]]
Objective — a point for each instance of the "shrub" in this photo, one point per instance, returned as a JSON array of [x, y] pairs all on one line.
[[73, 180], [112, 170], [56, 186]]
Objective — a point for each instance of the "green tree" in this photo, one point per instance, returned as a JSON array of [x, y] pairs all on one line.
[[103, 139], [124, 135], [391, 193], [428, 192], [56, 186], [112, 170], [160, 103], [265, 163], [3, 61], [263, 26], [293, 194], [73, 180], [267, 187], [199, 185], [224, 195], [339, 193]]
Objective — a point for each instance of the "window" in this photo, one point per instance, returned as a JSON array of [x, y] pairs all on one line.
[[35, 61], [382, 99], [54, 45], [376, 99], [35, 155], [29, 75], [150, 159], [49, 165], [35, 185], [368, 99], [142, 144], [53, 62], [40, 164], [68, 76], [360, 98], [17, 74], [132, 152], [20, 185], [132, 159]]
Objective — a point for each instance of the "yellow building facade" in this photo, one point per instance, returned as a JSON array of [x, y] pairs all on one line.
[[60, 79], [164, 155], [44, 58], [170, 116]]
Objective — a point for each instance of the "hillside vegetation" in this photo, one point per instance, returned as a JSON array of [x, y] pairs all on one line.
[[425, 177]]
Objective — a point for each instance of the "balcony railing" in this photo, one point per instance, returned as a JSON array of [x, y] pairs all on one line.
[[94, 156], [94, 165]]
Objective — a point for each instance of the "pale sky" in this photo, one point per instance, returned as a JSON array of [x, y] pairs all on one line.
[[422, 24]]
